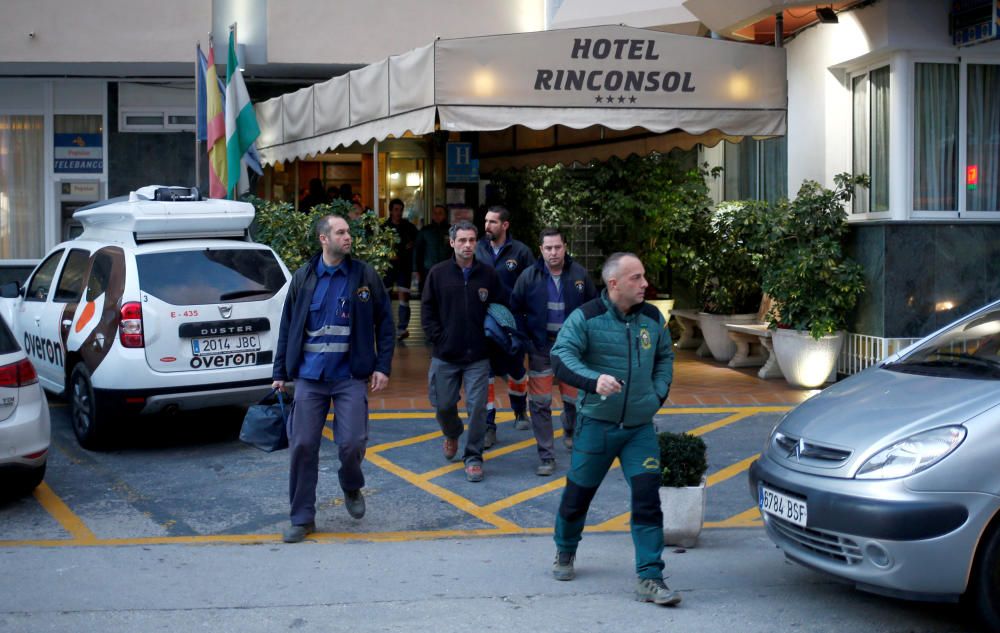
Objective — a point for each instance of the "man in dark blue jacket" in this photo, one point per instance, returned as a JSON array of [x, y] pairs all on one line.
[[453, 310], [543, 297], [336, 334], [509, 257]]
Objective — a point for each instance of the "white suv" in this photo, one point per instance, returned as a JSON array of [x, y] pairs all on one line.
[[162, 303]]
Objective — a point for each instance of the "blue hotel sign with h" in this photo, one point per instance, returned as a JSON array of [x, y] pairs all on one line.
[[461, 167]]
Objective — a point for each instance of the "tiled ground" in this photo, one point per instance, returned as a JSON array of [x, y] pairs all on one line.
[[697, 381]]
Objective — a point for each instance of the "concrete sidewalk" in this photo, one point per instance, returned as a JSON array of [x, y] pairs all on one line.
[[734, 581]]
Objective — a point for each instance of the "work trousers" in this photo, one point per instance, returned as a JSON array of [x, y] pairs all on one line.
[[540, 383], [596, 444], [511, 369], [305, 434], [444, 382]]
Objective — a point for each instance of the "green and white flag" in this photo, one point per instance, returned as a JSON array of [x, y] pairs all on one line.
[[241, 120]]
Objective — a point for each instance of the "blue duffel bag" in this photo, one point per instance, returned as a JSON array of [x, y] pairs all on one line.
[[265, 425]]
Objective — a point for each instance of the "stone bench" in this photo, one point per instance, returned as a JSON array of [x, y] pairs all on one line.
[[753, 349], [690, 338]]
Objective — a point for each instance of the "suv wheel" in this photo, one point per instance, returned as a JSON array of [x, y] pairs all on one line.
[[88, 422]]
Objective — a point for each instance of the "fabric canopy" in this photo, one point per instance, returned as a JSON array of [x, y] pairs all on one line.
[[614, 76]]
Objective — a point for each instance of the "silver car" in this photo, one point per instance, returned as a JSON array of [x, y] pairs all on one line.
[[24, 420], [891, 478]]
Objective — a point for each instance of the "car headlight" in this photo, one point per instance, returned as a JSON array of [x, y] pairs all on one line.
[[913, 454]]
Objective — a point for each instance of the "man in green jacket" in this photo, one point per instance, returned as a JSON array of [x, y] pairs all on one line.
[[616, 350]]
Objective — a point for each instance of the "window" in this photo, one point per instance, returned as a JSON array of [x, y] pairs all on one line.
[[956, 137], [71, 278], [935, 137], [210, 275], [156, 120], [756, 169], [870, 138], [100, 275], [982, 138], [41, 281], [22, 186], [8, 343]]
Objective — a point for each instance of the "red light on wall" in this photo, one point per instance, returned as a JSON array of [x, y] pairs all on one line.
[[972, 176]]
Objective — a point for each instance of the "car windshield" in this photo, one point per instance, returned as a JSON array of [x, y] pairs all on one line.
[[8, 343], [969, 349], [210, 275]]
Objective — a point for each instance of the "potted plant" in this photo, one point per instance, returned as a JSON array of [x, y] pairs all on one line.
[[683, 463], [813, 284], [727, 273]]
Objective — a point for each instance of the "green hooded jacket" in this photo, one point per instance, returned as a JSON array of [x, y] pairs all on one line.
[[635, 348]]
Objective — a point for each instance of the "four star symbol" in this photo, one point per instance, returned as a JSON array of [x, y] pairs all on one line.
[[611, 99]]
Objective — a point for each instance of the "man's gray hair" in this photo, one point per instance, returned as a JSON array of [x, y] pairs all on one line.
[[610, 267], [323, 223], [462, 225]]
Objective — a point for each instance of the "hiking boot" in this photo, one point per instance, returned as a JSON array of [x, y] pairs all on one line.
[[491, 437], [568, 441], [403, 334], [355, 503], [546, 468], [656, 591], [450, 447], [521, 422], [297, 533], [562, 568], [474, 471]]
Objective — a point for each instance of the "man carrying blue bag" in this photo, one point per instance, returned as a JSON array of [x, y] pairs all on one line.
[[336, 335]]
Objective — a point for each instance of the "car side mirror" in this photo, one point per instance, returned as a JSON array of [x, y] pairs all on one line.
[[10, 290]]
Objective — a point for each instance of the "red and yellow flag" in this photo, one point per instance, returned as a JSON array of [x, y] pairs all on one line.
[[217, 178]]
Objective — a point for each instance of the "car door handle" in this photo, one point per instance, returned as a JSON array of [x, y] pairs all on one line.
[[38, 320], [67, 322]]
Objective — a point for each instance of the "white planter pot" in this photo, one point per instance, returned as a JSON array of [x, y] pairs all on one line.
[[683, 514], [805, 361], [713, 328]]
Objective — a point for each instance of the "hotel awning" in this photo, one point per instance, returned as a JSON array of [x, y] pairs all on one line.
[[612, 76]]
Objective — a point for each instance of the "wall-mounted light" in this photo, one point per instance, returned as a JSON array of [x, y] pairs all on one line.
[[413, 179], [394, 175], [827, 15]]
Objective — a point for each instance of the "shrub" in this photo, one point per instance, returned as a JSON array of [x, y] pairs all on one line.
[[292, 233], [682, 458]]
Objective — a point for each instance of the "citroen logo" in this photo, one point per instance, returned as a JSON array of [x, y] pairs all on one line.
[[226, 310]]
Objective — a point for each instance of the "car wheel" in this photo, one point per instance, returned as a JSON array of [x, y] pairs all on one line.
[[88, 423], [984, 590]]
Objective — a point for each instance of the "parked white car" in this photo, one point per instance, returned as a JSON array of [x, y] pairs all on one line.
[[162, 303], [24, 419]]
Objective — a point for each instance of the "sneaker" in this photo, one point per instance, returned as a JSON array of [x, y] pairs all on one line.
[[568, 441], [491, 437], [562, 568], [355, 503], [297, 533], [656, 591], [546, 468], [521, 422], [474, 471], [450, 447]]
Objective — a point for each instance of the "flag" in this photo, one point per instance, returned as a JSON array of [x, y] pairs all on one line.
[[216, 129], [241, 120], [252, 157], [202, 68]]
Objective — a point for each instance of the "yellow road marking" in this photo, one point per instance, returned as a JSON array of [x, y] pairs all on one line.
[[61, 513], [525, 495], [730, 471], [493, 454], [718, 424], [442, 493], [747, 518]]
